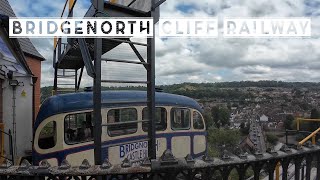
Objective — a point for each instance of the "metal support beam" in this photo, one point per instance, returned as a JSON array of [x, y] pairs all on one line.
[[123, 61], [158, 3], [75, 80], [59, 50], [80, 77], [135, 50], [133, 1], [86, 57], [54, 57], [127, 41], [151, 92], [55, 83], [99, 4]]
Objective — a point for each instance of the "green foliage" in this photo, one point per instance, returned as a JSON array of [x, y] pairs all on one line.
[[315, 114], [272, 139], [208, 119], [244, 129], [305, 106], [220, 116], [288, 122], [225, 90], [46, 92], [222, 137]]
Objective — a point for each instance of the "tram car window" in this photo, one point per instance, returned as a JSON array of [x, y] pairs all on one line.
[[197, 121], [122, 121], [160, 117], [48, 136], [78, 128], [180, 118]]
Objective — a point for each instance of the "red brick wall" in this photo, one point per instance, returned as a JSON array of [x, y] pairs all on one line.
[[35, 66]]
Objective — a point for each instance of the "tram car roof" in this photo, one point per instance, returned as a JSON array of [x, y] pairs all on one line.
[[84, 101]]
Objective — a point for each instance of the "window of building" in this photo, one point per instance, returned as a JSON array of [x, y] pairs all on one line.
[[48, 136], [121, 121], [78, 128], [180, 118], [197, 120], [160, 117]]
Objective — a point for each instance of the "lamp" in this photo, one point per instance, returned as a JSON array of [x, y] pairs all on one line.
[[14, 83], [10, 75]]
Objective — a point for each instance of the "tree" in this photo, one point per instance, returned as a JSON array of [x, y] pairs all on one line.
[[244, 129], [272, 139], [219, 138], [315, 114], [242, 125], [208, 119], [220, 116], [288, 122]]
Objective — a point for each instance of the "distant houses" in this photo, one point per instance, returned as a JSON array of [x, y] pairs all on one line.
[[264, 119]]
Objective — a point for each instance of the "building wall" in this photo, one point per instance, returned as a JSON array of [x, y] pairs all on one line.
[[23, 113], [1, 102], [35, 66]]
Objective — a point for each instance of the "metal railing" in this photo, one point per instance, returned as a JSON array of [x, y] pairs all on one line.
[[298, 120], [311, 136], [3, 155], [168, 167]]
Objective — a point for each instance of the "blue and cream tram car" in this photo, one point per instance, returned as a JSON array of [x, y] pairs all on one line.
[[64, 127]]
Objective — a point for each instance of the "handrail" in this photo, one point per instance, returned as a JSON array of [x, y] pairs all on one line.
[[302, 119], [312, 135]]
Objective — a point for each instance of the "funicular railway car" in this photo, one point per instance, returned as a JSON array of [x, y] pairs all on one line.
[[64, 127]]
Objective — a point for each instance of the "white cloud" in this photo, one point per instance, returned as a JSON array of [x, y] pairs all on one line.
[[208, 60]]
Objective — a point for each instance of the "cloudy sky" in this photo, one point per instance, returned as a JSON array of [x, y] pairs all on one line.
[[209, 60]]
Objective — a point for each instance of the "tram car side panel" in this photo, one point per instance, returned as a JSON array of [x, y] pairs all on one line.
[[69, 135]]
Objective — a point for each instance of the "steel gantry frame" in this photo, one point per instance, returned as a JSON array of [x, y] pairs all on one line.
[[79, 53]]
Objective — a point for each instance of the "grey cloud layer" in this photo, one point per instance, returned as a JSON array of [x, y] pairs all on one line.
[[210, 60]]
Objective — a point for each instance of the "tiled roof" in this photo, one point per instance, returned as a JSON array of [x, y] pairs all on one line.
[[25, 43]]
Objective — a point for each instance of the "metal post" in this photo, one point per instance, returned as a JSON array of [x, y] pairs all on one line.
[[151, 91], [286, 137], [75, 80], [302, 171], [14, 123], [79, 81], [55, 83], [54, 53], [97, 91], [314, 140], [11, 147], [277, 171]]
